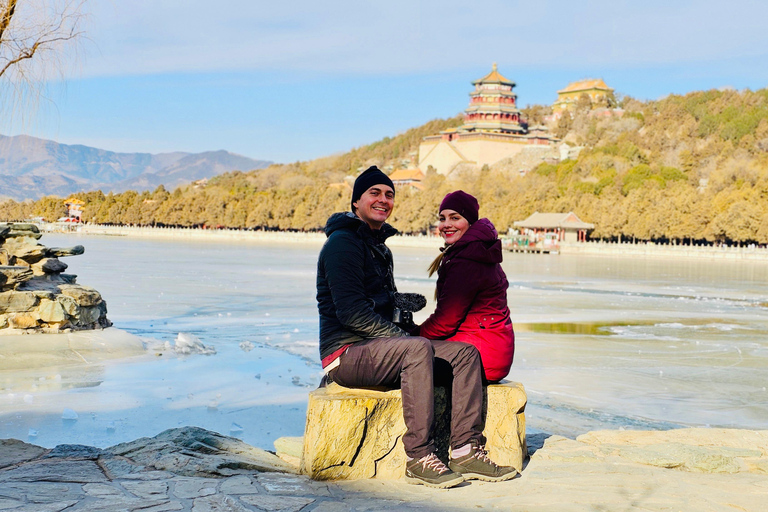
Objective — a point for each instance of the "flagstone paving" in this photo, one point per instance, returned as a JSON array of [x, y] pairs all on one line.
[[598, 471]]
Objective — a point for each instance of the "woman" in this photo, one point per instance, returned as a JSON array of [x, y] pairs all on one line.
[[471, 286]]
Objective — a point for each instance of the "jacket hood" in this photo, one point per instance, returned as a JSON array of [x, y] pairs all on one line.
[[480, 243], [351, 222]]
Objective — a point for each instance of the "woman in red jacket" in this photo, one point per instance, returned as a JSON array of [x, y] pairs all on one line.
[[471, 286]]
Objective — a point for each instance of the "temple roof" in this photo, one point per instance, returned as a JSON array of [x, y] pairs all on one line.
[[494, 77], [407, 174], [493, 92], [492, 108], [585, 85], [492, 127], [552, 221]]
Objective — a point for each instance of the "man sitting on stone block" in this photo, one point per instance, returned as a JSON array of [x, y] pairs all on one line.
[[360, 345]]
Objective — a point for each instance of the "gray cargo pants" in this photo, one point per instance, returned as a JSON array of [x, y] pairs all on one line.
[[416, 365]]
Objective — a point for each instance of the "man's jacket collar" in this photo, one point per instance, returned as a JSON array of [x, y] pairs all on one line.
[[351, 222]]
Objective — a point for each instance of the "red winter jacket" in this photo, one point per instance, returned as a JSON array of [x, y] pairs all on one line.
[[472, 299]]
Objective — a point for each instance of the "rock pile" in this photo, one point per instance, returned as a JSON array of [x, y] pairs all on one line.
[[35, 294]]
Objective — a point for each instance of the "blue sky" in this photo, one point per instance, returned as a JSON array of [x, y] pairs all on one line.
[[299, 79]]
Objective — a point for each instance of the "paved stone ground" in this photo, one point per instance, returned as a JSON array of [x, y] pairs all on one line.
[[564, 475]]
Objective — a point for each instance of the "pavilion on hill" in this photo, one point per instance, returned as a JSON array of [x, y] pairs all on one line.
[[493, 130], [567, 98]]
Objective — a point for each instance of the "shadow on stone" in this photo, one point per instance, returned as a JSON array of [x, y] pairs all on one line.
[[536, 441]]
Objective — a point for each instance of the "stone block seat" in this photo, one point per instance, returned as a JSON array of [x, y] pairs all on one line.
[[357, 433]]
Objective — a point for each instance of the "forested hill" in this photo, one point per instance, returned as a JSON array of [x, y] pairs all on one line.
[[683, 167]]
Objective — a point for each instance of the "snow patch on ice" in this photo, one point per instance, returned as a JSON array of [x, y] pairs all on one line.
[[187, 344], [69, 414]]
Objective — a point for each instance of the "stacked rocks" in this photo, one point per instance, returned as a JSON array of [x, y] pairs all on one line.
[[35, 294]]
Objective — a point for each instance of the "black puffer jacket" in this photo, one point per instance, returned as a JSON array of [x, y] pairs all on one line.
[[355, 284]]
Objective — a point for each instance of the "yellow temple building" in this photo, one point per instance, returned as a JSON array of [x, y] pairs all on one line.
[[493, 130], [595, 88], [412, 178]]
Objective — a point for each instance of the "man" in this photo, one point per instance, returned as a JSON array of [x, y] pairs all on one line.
[[360, 346]]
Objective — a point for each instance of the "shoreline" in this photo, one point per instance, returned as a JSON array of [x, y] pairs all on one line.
[[235, 235], [190, 469], [596, 248]]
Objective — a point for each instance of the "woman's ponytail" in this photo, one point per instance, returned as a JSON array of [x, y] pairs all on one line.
[[436, 263]]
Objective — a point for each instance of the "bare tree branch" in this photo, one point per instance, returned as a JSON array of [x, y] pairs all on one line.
[[36, 37]]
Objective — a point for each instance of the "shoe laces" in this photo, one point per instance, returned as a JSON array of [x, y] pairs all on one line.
[[482, 455], [432, 461]]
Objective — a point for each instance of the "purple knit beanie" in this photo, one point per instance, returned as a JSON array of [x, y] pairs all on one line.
[[463, 203]]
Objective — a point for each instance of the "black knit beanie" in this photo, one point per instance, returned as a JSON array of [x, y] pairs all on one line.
[[368, 178]]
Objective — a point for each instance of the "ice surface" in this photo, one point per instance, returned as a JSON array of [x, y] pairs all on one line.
[[78, 347], [601, 342]]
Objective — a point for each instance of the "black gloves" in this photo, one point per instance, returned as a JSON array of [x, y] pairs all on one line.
[[410, 301], [405, 305]]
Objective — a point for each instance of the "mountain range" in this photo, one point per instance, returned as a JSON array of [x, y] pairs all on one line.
[[31, 168]]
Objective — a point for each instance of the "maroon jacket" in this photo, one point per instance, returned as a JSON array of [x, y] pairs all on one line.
[[472, 299]]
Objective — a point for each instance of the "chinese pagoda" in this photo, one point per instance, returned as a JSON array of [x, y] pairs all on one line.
[[492, 106], [493, 130]]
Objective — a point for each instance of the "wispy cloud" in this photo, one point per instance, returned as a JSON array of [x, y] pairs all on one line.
[[406, 36], [299, 79]]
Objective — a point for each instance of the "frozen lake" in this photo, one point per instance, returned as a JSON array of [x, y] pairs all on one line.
[[602, 342]]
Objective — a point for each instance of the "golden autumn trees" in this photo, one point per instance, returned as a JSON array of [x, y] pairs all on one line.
[[681, 169]]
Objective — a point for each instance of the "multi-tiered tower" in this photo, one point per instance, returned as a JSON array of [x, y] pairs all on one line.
[[493, 130], [493, 106]]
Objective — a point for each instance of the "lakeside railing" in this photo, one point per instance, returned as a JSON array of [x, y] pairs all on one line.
[[624, 248], [234, 234], [651, 249]]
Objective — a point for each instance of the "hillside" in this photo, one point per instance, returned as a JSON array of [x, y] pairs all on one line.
[[685, 168], [31, 168]]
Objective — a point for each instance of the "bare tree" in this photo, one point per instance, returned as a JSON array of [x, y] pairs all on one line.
[[35, 38]]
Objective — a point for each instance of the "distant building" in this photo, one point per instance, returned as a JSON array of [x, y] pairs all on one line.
[[74, 210], [493, 130], [407, 178], [568, 226], [567, 98], [493, 106]]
